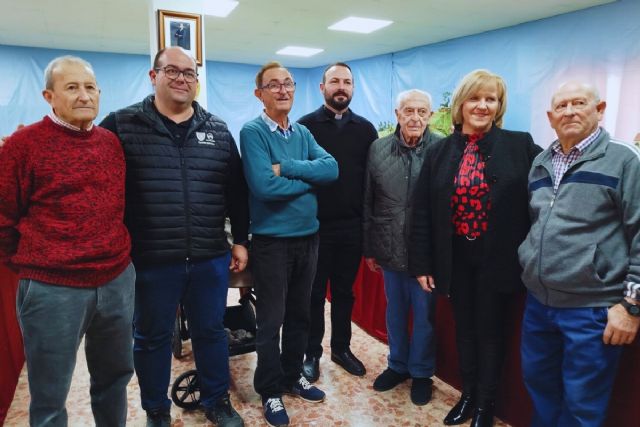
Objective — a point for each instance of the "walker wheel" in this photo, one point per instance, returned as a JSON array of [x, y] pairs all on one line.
[[185, 392], [176, 340]]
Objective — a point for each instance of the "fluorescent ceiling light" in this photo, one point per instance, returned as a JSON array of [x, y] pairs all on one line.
[[299, 51], [360, 25], [221, 8]]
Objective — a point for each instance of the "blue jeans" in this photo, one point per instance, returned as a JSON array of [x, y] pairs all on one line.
[[568, 370], [202, 287], [416, 354], [54, 319]]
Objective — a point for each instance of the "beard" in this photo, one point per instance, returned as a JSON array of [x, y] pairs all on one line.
[[334, 103]]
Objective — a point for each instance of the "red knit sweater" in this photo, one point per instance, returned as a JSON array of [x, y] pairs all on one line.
[[62, 205]]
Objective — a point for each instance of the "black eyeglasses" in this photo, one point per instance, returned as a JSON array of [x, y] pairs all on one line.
[[274, 86], [173, 73]]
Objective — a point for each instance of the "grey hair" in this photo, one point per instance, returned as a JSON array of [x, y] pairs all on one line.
[[403, 96], [591, 90], [66, 59]]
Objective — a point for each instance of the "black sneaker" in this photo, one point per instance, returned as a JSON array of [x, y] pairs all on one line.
[[223, 415], [274, 412], [421, 391], [159, 418], [388, 380]]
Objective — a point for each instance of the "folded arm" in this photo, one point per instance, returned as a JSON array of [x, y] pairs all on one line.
[[320, 168], [264, 184]]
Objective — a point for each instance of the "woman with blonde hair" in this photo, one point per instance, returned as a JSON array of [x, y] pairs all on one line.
[[470, 216]]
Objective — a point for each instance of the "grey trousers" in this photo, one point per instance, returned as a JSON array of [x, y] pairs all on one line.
[[54, 319]]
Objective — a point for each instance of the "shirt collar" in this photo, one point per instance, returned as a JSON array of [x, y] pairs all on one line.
[[581, 146], [273, 126], [57, 120], [411, 147]]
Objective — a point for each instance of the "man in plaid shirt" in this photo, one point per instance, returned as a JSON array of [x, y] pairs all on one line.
[[581, 263]]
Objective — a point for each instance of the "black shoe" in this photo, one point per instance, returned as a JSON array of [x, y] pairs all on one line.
[[311, 369], [461, 412], [349, 362], [421, 391], [159, 418], [388, 380], [223, 415], [483, 416]]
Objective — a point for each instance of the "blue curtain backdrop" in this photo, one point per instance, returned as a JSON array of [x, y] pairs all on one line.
[[601, 44]]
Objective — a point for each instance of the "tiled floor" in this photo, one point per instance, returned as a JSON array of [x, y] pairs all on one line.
[[351, 401]]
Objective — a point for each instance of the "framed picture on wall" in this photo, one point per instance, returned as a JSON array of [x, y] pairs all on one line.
[[181, 29]]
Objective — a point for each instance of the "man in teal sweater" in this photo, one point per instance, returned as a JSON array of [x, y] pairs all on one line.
[[283, 165]]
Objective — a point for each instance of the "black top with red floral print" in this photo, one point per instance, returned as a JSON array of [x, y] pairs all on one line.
[[470, 201]]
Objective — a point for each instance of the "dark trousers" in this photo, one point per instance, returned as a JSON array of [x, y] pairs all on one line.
[[480, 314], [283, 271], [202, 288], [339, 256]]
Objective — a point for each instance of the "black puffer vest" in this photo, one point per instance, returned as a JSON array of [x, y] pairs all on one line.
[[175, 192]]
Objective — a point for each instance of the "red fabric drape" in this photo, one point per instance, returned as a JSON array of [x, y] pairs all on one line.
[[11, 351], [371, 303], [514, 405]]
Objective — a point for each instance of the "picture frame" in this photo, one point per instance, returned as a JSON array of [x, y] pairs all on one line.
[[181, 29]]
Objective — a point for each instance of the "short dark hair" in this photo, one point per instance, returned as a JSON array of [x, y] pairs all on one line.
[[156, 59], [335, 64], [268, 66]]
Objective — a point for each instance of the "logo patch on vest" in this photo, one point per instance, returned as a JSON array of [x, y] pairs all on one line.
[[205, 138]]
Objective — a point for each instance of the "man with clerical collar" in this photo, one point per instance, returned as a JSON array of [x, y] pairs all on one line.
[[284, 167], [347, 137], [61, 228], [184, 176]]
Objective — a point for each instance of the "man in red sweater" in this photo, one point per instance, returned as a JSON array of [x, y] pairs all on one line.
[[61, 229]]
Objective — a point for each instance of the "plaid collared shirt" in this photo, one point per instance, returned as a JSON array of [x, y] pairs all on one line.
[[59, 121], [273, 126], [632, 290], [562, 162]]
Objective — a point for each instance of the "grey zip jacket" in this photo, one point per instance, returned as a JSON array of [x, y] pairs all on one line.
[[584, 244]]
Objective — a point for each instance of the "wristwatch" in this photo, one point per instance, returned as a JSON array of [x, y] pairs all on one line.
[[632, 309]]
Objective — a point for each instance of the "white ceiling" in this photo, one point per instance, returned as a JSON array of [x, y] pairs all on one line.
[[257, 28]]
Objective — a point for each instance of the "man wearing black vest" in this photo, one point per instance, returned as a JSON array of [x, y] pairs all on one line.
[[347, 137], [184, 176]]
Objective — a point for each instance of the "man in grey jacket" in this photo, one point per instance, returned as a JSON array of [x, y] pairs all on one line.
[[393, 168], [581, 263]]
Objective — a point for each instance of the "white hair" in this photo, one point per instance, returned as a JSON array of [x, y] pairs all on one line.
[[589, 88], [403, 96], [55, 62]]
